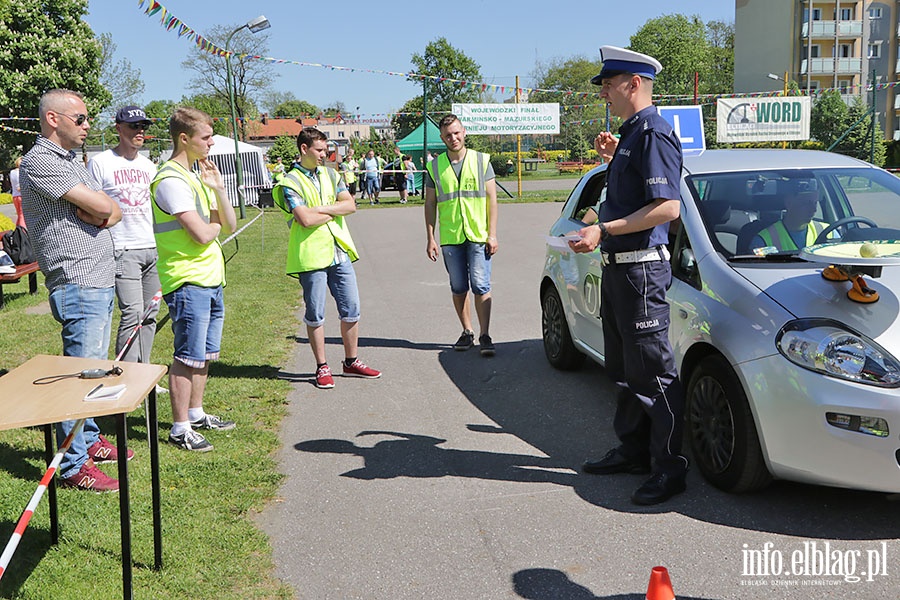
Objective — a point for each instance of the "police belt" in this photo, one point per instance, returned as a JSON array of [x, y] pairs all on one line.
[[634, 256]]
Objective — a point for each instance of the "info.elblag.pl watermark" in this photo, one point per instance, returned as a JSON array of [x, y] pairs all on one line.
[[812, 563]]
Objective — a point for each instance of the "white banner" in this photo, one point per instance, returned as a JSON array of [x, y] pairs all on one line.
[[508, 119], [762, 119]]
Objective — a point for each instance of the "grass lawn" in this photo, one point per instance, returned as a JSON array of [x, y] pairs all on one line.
[[211, 547]]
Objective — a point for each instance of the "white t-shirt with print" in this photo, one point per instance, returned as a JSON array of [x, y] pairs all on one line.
[[128, 183]]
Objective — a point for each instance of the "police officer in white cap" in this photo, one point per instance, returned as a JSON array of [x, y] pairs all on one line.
[[643, 196]]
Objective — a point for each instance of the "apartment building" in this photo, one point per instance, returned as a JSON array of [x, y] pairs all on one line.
[[821, 44]]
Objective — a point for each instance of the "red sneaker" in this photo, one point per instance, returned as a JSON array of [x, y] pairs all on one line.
[[324, 380], [360, 369], [102, 451], [91, 479]]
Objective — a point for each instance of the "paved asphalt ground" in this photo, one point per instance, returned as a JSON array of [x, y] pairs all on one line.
[[455, 476]]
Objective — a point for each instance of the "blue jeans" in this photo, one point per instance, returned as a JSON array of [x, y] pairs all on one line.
[[85, 315], [468, 264], [198, 315], [136, 283], [341, 280], [372, 186]]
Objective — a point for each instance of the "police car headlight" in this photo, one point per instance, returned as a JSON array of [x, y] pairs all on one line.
[[833, 349]]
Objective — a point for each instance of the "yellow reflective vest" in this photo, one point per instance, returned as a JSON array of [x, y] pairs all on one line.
[[181, 259], [462, 203], [777, 235], [312, 248]]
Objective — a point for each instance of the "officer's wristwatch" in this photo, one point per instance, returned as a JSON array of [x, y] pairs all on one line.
[[604, 233]]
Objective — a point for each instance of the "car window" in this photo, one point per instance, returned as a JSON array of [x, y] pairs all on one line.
[[593, 194], [737, 207]]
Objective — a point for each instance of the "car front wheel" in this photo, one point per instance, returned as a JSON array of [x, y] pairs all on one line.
[[558, 346], [723, 437]]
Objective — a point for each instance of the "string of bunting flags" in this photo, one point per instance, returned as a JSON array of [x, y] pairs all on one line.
[[172, 23]]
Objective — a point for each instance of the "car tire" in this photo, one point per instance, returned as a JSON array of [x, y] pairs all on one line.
[[558, 346], [723, 438]]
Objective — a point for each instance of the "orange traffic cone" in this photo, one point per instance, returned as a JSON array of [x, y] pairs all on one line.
[[660, 587]]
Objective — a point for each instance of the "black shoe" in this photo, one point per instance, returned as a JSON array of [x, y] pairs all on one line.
[[615, 462], [659, 488], [465, 341], [486, 345]]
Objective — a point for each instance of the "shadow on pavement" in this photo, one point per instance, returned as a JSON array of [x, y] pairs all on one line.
[[568, 417], [552, 584]]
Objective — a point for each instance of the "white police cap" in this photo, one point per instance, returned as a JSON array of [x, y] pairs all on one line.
[[619, 60]]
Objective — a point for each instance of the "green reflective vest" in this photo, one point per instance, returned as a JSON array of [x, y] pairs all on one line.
[[181, 259], [312, 248], [462, 203], [777, 235]]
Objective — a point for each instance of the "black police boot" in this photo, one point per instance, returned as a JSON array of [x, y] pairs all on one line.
[[616, 462], [659, 488]]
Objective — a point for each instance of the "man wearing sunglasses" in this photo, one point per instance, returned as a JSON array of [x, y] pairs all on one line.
[[68, 220], [125, 176]]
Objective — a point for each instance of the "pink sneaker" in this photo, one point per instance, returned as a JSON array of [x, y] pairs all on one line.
[[91, 479], [102, 451], [324, 380], [360, 369]]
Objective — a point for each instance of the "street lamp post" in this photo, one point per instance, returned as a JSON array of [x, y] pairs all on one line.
[[256, 25], [784, 93]]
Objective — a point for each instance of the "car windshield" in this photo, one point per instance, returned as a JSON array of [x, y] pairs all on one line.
[[775, 212]]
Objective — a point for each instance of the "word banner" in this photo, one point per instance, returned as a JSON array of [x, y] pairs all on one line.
[[509, 119], [763, 119]]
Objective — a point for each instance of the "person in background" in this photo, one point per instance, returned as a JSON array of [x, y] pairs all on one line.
[[410, 168], [189, 213], [348, 171], [399, 174], [372, 168], [68, 218], [461, 193], [125, 175], [16, 192], [321, 252]]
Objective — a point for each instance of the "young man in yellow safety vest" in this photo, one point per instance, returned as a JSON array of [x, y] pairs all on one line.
[[189, 213], [461, 192], [321, 252], [796, 229]]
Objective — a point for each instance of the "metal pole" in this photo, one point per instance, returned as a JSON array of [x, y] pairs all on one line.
[[872, 127], [424, 128], [784, 143], [518, 147], [238, 167]]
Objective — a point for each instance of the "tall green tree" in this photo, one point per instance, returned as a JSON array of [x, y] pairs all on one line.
[[218, 108], [44, 45], [295, 109], [718, 73], [440, 60], [118, 76], [581, 119], [680, 44], [251, 76]]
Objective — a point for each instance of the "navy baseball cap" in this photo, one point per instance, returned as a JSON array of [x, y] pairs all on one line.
[[619, 60], [131, 114]]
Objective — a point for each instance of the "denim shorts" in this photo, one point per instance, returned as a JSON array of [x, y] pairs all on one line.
[[468, 265], [198, 314], [341, 280]]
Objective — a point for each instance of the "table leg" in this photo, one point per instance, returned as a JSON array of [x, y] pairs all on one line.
[[124, 505], [153, 438], [51, 485]]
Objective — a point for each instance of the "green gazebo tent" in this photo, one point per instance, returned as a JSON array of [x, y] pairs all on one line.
[[414, 145]]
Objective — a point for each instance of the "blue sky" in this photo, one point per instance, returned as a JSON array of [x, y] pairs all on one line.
[[505, 38]]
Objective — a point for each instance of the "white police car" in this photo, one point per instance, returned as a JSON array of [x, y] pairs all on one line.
[[785, 375]]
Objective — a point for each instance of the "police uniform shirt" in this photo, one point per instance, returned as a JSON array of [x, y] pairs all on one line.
[[647, 166]]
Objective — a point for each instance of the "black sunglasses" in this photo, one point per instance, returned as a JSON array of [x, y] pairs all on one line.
[[139, 126], [77, 119]]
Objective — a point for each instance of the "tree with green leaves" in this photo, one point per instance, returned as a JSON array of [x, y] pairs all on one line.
[[285, 148], [44, 45], [121, 79], [440, 60], [218, 108], [580, 119], [295, 109], [251, 76]]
